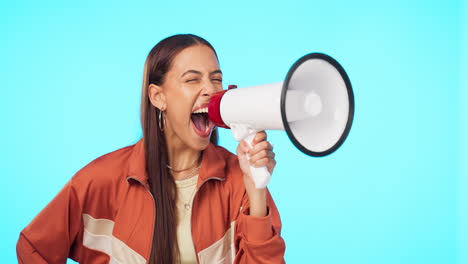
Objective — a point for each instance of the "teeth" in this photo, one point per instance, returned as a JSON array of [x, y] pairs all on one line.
[[201, 110]]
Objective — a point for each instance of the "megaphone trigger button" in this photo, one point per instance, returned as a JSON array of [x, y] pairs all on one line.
[[232, 86]]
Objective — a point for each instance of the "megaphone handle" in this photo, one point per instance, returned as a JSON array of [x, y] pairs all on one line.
[[261, 176]]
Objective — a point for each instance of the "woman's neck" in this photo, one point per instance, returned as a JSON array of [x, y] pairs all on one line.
[[182, 159]]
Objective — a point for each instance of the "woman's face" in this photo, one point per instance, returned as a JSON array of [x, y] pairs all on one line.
[[193, 78]]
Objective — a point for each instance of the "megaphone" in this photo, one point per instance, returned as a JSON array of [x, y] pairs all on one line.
[[314, 105]]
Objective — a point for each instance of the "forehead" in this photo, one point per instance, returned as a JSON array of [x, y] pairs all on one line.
[[198, 57]]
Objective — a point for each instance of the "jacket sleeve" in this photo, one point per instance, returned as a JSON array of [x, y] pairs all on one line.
[[258, 239], [49, 237]]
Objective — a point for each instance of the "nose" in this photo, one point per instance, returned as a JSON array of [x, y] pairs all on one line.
[[209, 89]]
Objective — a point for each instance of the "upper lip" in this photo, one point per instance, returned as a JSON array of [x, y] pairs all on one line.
[[205, 105]]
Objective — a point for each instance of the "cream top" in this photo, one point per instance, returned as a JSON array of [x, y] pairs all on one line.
[[185, 193]]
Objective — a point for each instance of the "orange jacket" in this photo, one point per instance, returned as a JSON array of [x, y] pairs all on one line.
[[105, 214]]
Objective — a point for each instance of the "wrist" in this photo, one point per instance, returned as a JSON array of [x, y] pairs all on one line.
[[257, 200]]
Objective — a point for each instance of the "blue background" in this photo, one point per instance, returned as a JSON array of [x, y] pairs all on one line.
[[395, 192]]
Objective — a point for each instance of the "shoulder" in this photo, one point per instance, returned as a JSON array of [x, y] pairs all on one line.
[[99, 185], [104, 170]]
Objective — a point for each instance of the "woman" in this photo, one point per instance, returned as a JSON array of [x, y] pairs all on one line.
[[174, 196]]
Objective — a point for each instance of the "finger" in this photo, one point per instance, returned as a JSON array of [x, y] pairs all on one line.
[[260, 162], [242, 148], [261, 155], [267, 162], [264, 145], [260, 136], [245, 146], [271, 166]]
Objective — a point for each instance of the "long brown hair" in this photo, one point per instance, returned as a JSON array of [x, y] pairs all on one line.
[[161, 182]]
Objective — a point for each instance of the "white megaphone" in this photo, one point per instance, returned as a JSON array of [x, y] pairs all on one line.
[[314, 104]]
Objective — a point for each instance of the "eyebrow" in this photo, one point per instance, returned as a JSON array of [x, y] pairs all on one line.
[[199, 73]]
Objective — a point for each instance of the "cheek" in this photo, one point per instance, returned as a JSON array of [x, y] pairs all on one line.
[[179, 105]]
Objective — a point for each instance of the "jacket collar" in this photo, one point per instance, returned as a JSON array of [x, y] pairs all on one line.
[[212, 166], [137, 164]]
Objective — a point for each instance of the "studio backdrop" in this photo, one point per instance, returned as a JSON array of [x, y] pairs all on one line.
[[393, 192]]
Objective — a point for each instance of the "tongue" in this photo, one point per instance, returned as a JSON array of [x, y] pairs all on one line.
[[199, 120]]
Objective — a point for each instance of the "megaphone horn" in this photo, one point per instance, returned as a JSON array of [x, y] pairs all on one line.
[[314, 105]]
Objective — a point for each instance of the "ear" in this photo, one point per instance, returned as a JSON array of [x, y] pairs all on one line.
[[157, 97]]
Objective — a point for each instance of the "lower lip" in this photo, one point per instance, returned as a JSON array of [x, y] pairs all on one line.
[[203, 134]]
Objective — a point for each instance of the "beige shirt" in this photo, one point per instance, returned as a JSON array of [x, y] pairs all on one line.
[[185, 194]]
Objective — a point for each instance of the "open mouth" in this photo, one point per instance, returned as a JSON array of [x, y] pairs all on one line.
[[201, 123]]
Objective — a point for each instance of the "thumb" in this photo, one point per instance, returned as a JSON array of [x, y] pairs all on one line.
[[242, 150]]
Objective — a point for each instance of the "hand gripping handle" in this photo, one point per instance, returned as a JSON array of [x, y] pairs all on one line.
[[260, 175]]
